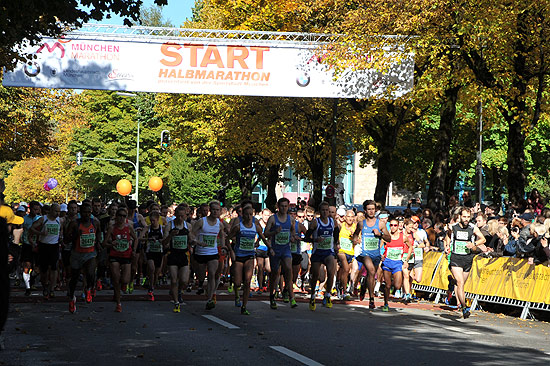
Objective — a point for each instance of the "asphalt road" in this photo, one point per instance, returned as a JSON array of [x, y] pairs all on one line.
[[146, 333]]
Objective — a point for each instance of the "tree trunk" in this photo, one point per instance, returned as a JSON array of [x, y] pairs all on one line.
[[317, 171], [497, 186], [385, 164], [272, 180], [516, 163], [436, 191]]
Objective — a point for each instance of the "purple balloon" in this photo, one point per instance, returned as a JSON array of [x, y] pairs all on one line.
[[46, 187], [52, 183]]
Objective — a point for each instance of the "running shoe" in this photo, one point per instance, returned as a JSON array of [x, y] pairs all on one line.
[[286, 298], [327, 302], [210, 304], [238, 303], [151, 295], [466, 313], [118, 308], [93, 292], [371, 304], [189, 288], [312, 305], [46, 294], [200, 291], [88, 296], [397, 294], [244, 311], [214, 299], [273, 304], [180, 297], [176, 307], [99, 285], [385, 308], [72, 305], [362, 292], [52, 294], [230, 288], [293, 303], [131, 287], [347, 297]]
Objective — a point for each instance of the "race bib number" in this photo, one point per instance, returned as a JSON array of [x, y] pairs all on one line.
[[247, 243], [87, 240], [121, 245], [179, 242], [395, 254], [326, 243], [418, 254], [155, 246], [209, 240], [282, 238], [460, 247], [346, 244], [370, 243], [294, 247], [52, 229]]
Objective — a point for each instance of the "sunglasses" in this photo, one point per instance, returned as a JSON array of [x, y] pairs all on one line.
[[301, 216], [394, 225]]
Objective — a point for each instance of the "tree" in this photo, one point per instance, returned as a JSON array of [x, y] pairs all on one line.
[[189, 182], [29, 20], [110, 133], [505, 44]]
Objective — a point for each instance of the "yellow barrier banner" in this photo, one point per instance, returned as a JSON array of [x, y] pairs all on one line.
[[441, 277], [511, 278], [429, 266], [541, 290]]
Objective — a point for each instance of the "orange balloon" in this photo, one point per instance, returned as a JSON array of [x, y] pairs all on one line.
[[155, 183], [124, 187]]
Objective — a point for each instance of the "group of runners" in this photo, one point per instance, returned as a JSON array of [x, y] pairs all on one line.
[[326, 252]]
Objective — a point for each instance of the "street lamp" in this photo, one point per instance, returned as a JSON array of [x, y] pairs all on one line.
[[132, 95]]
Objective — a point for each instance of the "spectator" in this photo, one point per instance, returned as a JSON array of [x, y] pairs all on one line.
[[427, 226], [492, 228], [503, 237], [535, 201]]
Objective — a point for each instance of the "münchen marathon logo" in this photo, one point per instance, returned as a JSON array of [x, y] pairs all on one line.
[[32, 69]]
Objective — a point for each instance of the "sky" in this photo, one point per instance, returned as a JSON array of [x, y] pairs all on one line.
[[177, 11]]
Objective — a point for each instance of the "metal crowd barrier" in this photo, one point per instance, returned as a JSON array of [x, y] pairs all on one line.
[[524, 305]]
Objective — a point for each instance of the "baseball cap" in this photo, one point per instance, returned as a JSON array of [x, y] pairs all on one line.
[[7, 213], [63, 207], [293, 209], [528, 216], [21, 209], [341, 212], [415, 219]]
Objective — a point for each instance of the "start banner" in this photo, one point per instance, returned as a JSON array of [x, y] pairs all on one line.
[[209, 67]]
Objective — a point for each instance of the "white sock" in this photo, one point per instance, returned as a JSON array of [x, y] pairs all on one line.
[[27, 280], [377, 286]]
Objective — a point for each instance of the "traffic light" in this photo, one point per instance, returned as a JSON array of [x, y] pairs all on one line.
[[164, 139], [79, 158]]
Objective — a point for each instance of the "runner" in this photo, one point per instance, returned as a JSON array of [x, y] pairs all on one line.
[[66, 247], [368, 233], [121, 242], [296, 247], [82, 233], [393, 261], [281, 229], [50, 230], [262, 257], [153, 237], [346, 254], [325, 245], [421, 243], [137, 261], [210, 235], [246, 230], [28, 247], [461, 243], [176, 241]]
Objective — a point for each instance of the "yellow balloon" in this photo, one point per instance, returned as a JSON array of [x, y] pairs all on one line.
[[124, 187], [155, 183]]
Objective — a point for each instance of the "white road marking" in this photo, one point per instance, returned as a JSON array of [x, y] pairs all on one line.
[[221, 322], [298, 357]]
